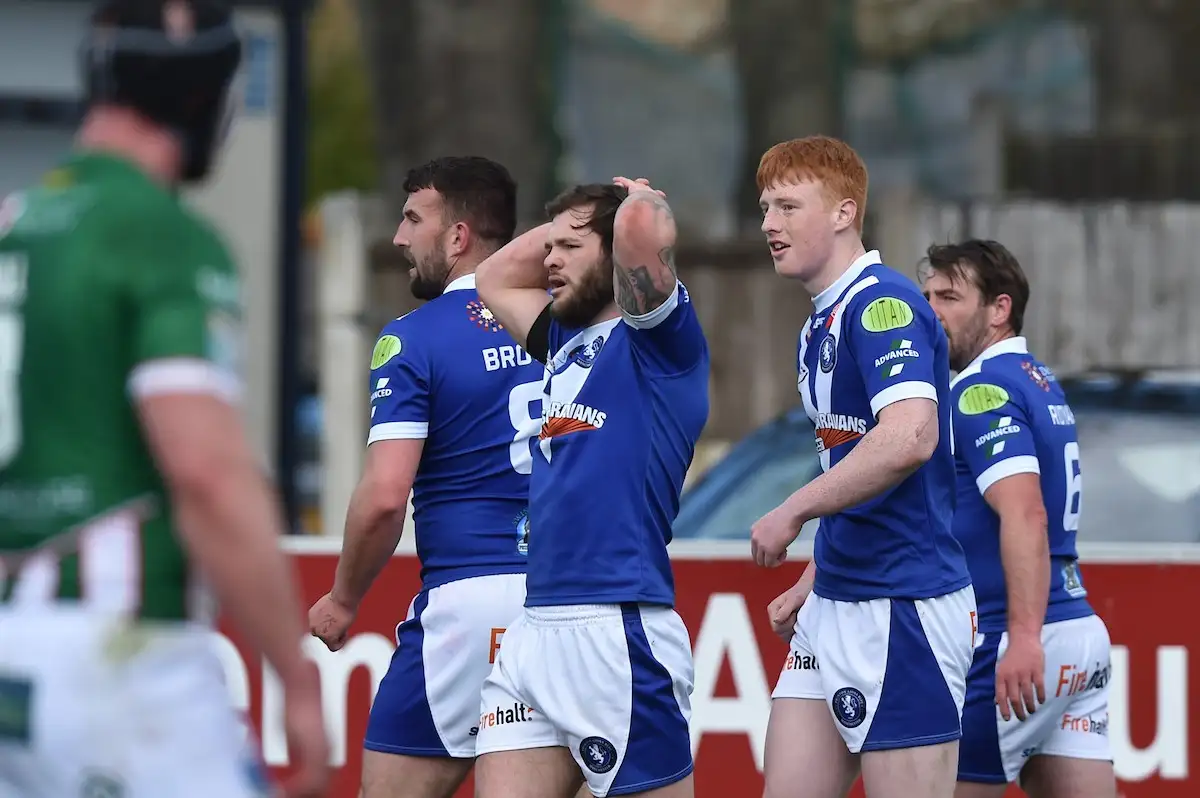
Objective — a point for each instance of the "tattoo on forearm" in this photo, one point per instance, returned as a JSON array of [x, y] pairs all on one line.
[[642, 288], [638, 292]]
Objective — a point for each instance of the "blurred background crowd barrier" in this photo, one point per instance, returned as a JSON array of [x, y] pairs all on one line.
[[1068, 129]]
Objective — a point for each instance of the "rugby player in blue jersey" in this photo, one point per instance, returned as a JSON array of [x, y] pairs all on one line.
[[594, 681], [1037, 694], [455, 405], [881, 624]]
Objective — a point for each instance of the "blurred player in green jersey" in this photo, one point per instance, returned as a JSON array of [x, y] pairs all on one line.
[[126, 480]]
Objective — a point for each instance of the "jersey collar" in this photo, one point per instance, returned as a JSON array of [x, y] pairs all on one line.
[[1009, 346], [830, 295], [464, 283]]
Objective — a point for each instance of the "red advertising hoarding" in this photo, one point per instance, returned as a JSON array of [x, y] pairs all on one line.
[[722, 598]]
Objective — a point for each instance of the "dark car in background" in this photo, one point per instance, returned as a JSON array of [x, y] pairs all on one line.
[[1139, 440]]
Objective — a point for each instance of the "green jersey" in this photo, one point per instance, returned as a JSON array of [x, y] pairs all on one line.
[[110, 290]]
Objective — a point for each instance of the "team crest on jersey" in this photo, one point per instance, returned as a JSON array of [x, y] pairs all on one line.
[[585, 355], [522, 524], [827, 354], [1041, 376], [483, 317], [850, 707], [1073, 581], [598, 754]]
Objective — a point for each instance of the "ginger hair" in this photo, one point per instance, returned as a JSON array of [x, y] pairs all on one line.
[[839, 169]]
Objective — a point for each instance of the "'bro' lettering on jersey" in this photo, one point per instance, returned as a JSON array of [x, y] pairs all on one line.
[[1011, 417], [873, 341]]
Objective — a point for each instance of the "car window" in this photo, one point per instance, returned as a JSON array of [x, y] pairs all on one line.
[[1141, 477], [787, 465], [1141, 481]]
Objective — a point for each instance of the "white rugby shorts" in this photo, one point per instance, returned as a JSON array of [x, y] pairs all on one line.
[[428, 702], [893, 672], [94, 706], [1073, 723], [612, 683]]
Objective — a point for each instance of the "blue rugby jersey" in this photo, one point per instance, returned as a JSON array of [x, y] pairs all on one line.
[[450, 374], [873, 340], [1010, 416], [625, 402]]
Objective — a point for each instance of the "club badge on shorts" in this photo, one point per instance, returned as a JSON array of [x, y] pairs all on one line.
[[598, 754], [850, 707]]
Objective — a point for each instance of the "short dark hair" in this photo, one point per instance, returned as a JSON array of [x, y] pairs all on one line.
[[990, 267], [602, 198], [476, 190]]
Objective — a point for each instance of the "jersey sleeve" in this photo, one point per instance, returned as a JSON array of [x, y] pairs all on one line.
[[893, 343], [992, 432], [184, 309], [670, 334], [400, 386]]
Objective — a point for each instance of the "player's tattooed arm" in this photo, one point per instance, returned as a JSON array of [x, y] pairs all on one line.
[[644, 273], [512, 282]]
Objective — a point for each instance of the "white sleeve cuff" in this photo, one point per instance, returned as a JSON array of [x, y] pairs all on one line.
[[901, 391], [657, 316], [398, 431], [1021, 464], [183, 375]]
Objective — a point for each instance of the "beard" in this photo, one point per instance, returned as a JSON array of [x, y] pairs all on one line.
[[428, 280], [966, 345], [587, 299]]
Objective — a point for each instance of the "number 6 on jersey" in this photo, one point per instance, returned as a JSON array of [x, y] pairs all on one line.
[[1071, 507]]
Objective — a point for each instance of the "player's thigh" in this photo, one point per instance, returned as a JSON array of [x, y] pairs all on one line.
[[1077, 743], [894, 672], [401, 776], [548, 772], [821, 767], [626, 723], [924, 771], [805, 756], [1066, 777], [427, 704]]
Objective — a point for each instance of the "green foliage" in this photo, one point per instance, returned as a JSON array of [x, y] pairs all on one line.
[[341, 135]]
